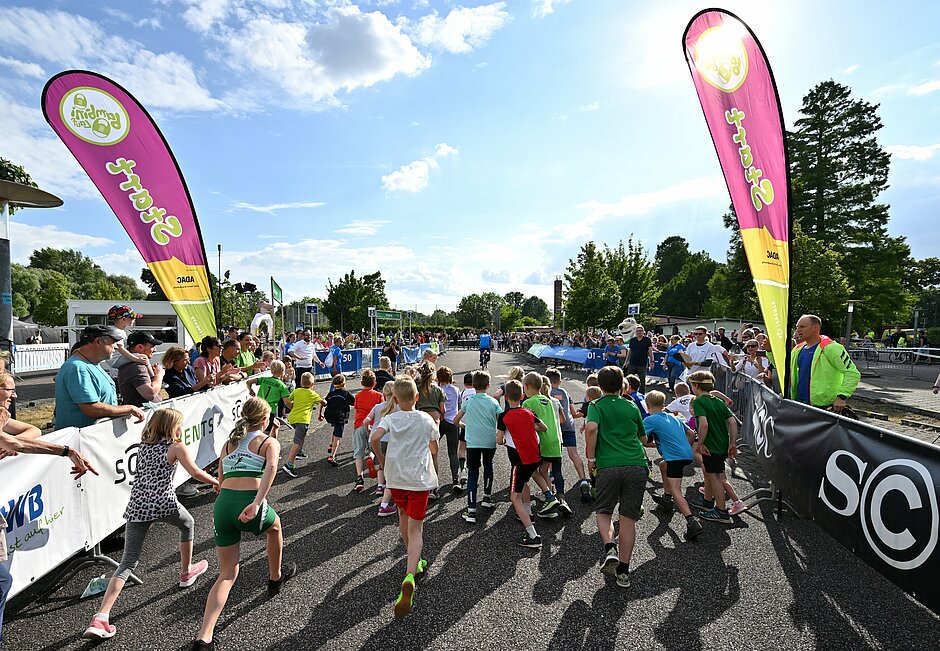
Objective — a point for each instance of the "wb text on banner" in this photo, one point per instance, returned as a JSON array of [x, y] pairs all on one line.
[[739, 98], [123, 152]]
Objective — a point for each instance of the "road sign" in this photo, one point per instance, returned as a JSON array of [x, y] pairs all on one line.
[[388, 315], [633, 309], [312, 308], [411, 314], [277, 295]]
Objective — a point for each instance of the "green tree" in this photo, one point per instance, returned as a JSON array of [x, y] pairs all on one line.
[[50, 307], [11, 172], [478, 310], [83, 274], [688, 291], [818, 285], [671, 255], [635, 276], [838, 171], [592, 298], [156, 292], [26, 285], [515, 299], [536, 308], [510, 317], [347, 302], [128, 287]]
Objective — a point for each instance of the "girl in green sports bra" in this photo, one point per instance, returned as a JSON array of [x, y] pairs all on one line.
[[246, 471]]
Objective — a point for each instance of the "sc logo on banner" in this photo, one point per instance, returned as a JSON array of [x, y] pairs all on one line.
[[126, 467], [897, 486]]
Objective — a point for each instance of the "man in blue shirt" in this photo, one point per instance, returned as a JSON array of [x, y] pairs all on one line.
[[83, 391], [336, 352], [486, 344], [613, 353]]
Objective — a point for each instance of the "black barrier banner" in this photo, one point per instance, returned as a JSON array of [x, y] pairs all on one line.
[[873, 490]]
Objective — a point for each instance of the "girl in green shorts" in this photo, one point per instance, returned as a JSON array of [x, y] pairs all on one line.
[[246, 471]]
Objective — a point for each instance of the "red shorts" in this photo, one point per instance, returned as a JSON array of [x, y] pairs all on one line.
[[413, 503]]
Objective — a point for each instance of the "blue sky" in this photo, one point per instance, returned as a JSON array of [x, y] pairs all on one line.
[[456, 147]]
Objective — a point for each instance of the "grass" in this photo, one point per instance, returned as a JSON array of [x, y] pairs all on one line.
[[38, 413]]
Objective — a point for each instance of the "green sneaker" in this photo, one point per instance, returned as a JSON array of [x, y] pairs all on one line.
[[405, 597], [422, 566]]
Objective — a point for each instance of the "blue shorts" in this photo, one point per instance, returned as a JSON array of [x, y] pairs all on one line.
[[569, 439]]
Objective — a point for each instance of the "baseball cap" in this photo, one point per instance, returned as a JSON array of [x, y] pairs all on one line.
[[95, 331], [139, 337], [120, 311]]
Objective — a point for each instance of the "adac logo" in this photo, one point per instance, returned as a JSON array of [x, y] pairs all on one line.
[[94, 116], [721, 57]]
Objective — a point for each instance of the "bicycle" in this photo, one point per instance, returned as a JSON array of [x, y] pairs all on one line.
[[484, 358]]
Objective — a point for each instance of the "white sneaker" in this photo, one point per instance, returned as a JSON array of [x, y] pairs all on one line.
[[737, 507]]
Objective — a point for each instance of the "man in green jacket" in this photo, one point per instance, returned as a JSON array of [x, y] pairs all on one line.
[[821, 371]]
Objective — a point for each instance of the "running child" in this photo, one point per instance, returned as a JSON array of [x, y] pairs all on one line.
[[633, 382], [301, 402], [518, 429], [153, 499], [479, 412], [549, 444], [682, 405], [431, 401], [364, 401], [409, 473], [614, 446], [445, 379], [717, 436], [468, 391], [335, 409], [246, 472], [673, 440], [381, 410], [569, 436], [272, 390]]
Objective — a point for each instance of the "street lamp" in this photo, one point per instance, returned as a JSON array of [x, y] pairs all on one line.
[[848, 323]]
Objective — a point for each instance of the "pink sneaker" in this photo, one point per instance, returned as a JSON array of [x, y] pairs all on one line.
[[701, 489], [385, 511], [379, 490], [99, 630], [195, 571], [737, 507]]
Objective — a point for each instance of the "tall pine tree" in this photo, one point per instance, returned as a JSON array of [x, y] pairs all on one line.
[[838, 171]]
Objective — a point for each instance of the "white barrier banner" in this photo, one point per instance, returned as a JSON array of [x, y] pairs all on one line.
[[111, 446], [42, 506]]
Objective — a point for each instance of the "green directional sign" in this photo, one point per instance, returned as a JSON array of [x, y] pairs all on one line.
[[388, 315]]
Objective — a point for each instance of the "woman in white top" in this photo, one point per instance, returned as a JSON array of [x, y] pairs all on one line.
[[750, 363]]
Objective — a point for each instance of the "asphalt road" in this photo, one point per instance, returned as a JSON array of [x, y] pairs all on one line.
[[761, 583]]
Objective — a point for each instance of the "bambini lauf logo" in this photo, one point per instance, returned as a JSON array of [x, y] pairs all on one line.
[[721, 57], [900, 487], [763, 428], [94, 116]]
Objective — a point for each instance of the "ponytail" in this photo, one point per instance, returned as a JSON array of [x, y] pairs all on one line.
[[425, 376], [254, 411]]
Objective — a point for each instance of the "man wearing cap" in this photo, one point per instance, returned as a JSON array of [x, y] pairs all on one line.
[[83, 391], [138, 381]]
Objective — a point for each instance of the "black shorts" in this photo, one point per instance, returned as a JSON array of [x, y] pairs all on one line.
[[674, 468], [463, 435], [714, 463], [521, 472]]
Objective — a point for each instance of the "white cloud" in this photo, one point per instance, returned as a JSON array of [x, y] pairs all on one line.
[[271, 209], [416, 175], [543, 8], [589, 108], [128, 263], [26, 238], [362, 227], [315, 61], [852, 68], [203, 15], [28, 141], [923, 89], [23, 68], [463, 29], [158, 80], [498, 277], [643, 202], [912, 152]]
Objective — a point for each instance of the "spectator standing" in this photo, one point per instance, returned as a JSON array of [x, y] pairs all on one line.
[[724, 341], [704, 353], [180, 375], [640, 358], [83, 391], [674, 365], [302, 352], [141, 381], [822, 373]]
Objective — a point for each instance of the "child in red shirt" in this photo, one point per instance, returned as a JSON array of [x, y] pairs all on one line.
[[365, 400]]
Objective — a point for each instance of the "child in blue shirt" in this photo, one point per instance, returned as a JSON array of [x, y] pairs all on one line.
[[479, 412], [672, 439]]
